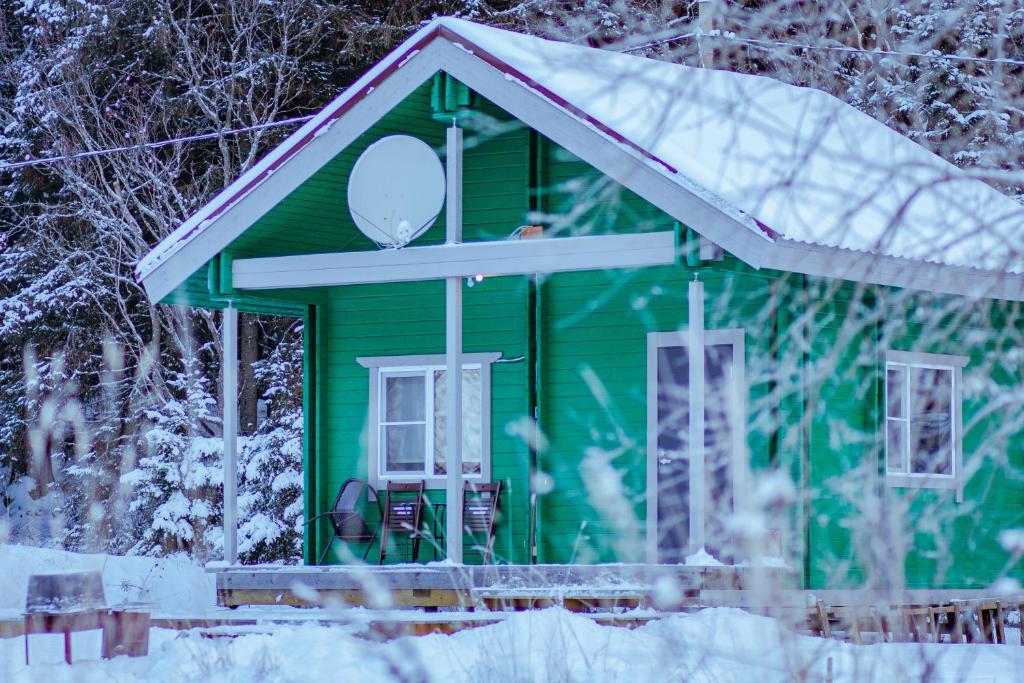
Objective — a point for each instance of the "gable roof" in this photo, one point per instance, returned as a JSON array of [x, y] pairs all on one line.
[[779, 175]]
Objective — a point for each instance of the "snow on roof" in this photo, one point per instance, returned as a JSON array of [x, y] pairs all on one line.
[[807, 165]]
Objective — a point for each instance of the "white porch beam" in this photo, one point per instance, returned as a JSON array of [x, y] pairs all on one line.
[[695, 351], [453, 350], [545, 255], [230, 422]]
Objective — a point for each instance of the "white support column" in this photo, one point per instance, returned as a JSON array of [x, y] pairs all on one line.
[[706, 24], [230, 421], [695, 349], [453, 350]]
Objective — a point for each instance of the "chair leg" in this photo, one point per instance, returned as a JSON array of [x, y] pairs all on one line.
[[383, 545], [326, 548], [366, 553], [415, 547], [489, 551]]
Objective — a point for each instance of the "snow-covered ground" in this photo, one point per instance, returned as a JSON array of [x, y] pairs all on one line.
[[551, 645]]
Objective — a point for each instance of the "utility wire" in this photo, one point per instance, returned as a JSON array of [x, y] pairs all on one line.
[[757, 42], [11, 166], [887, 53], [763, 43]]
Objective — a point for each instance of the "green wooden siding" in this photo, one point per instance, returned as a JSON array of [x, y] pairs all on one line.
[[495, 320], [814, 362]]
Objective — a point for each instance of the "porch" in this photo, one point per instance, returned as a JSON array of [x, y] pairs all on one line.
[[436, 586], [441, 598]]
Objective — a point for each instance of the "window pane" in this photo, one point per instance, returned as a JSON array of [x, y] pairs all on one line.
[[896, 445], [403, 398], [404, 447], [673, 401], [931, 421], [472, 421], [895, 389], [673, 514]]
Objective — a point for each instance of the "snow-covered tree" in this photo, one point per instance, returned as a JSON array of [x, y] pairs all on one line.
[[176, 489], [270, 460]]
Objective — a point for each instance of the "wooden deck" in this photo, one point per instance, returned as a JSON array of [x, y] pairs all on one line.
[[414, 600], [626, 595], [488, 587], [420, 599]]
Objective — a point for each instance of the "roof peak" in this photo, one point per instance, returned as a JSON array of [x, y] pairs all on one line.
[[734, 150]]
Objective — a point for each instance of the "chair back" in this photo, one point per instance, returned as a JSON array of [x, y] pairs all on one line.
[[347, 520], [403, 515], [480, 507], [404, 506]]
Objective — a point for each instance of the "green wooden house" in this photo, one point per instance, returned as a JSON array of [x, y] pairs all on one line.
[[757, 323]]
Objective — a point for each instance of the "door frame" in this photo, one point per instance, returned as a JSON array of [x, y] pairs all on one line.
[[657, 340]]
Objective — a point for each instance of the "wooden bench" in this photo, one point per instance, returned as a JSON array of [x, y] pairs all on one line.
[[962, 621], [125, 631], [73, 602]]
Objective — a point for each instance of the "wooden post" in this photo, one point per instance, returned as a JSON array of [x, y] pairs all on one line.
[[1000, 634], [453, 351], [958, 634], [695, 352], [854, 619], [230, 422], [823, 623]]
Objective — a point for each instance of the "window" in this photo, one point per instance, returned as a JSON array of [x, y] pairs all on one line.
[[413, 421], [923, 419], [408, 411]]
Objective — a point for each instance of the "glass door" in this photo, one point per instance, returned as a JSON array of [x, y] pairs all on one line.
[[676, 509]]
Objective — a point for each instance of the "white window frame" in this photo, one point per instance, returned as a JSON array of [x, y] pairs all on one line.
[[381, 366], [934, 361]]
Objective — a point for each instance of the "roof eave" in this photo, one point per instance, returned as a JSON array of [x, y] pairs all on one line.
[[891, 271]]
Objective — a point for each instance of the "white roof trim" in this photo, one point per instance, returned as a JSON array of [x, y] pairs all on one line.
[[236, 208], [438, 46]]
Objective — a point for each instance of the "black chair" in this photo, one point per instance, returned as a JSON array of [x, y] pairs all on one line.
[[403, 515], [480, 511], [347, 522]]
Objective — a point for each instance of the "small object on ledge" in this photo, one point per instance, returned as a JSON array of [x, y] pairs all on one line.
[[531, 232]]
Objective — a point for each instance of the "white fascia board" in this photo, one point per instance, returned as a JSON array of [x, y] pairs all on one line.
[[546, 255], [856, 266], [673, 193], [233, 221]]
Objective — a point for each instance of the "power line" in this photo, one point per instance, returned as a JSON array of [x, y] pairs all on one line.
[[757, 42], [887, 53], [659, 41], [760, 42], [151, 145]]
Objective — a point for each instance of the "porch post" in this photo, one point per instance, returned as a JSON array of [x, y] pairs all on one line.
[[453, 351], [695, 351], [230, 422]]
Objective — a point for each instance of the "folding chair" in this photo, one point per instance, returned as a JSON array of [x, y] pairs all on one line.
[[403, 515], [480, 509], [347, 523]]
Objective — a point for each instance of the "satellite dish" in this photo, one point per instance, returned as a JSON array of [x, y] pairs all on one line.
[[396, 190]]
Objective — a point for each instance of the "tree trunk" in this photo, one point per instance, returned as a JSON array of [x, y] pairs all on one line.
[[248, 353]]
